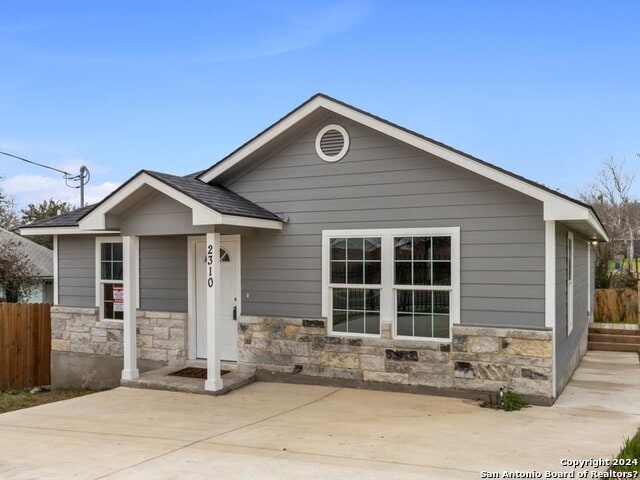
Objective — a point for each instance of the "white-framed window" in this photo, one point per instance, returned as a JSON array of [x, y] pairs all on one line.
[[408, 277], [109, 281], [570, 261]]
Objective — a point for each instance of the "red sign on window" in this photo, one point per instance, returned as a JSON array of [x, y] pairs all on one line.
[[118, 298]]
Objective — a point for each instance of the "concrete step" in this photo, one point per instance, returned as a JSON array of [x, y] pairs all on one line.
[[613, 347], [603, 338], [614, 331]]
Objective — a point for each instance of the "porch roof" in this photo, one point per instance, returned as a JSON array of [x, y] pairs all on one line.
[[214, 198]]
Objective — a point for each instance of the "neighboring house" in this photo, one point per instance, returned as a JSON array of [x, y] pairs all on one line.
[[42, 259], [334, 246]]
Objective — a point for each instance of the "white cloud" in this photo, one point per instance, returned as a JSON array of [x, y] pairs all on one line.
[[36, 188]]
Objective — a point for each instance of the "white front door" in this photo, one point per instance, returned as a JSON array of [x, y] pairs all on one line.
[[229, 276]]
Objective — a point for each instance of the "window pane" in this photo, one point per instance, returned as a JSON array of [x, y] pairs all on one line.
[[372, 302], [354, 272], [356, 299], [442, 273], [116, 270], [372, 323], [372, 273], [405, 301], [402, 248], [422, 248], [372, 248], [106, 273], [405, 324], [354, 249], [355, 322], [340, 298], [421, 273], [339, 321], [422, 301], [403, 273], [338, 249], [442, 248], [441, 326], [117, 251], [338, 272], [440, 302], [422, 325], [105, 249], [108, 310]]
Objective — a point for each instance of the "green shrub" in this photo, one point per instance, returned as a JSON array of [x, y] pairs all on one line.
[[511, 401]]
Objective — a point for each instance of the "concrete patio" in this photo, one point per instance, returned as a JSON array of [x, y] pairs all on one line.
[[270, 430]]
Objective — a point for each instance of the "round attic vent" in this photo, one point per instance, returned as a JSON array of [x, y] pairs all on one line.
[[332, 143]]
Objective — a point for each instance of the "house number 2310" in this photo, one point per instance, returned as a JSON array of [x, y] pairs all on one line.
[[210, 265]]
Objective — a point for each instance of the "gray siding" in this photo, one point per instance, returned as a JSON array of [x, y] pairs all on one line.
[[382, 183], [160, 215], [76, 271], [163, 273], [565, 344]]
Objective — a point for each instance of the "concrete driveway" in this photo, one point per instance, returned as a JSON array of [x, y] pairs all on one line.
[[269, 430]]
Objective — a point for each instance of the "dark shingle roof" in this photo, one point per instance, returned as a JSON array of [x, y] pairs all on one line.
[[216, 197], [65, 220]]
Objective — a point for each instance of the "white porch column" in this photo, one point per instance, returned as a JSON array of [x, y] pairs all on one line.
[[214, 380], [129, 257]]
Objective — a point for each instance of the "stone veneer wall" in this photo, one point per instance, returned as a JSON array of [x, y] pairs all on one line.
[[478, 358], [161, 336]]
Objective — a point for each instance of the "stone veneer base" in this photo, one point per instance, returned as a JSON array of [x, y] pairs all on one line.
[[477, 362]]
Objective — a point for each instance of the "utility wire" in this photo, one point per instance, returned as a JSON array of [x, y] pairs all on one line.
[[35, 163]]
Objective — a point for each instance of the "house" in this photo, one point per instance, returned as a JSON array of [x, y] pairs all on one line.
[[333, 247], [41, 291]]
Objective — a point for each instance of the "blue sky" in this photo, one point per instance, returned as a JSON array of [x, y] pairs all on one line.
[[545, 89]]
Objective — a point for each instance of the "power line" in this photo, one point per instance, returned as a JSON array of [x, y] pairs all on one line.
[[35, 163], [83, 178]]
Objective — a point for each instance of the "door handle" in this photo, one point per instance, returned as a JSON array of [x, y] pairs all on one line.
[[235, 313]]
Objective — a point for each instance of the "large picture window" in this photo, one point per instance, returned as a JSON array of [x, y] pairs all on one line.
[[408, 278], [110, 284]]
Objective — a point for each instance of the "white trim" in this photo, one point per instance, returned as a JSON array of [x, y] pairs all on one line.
[[550, 291], [570, 281], [251, 222], [387, 288], [74, 230], [129, 281], [98, 268], [55, 269], [555, 207], [191, 293], [345, 147], [214, 380], [137, 273], [589, 299], [550, 274]]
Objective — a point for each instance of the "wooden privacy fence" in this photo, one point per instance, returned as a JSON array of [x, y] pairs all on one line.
[[616, 305], [25, 345]]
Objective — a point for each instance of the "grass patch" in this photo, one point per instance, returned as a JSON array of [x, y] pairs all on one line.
[[511, 402], [10, 401], [631, 453]]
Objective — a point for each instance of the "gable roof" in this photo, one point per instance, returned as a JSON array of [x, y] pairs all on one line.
[[41, 257], [214, 197], [557, 205]]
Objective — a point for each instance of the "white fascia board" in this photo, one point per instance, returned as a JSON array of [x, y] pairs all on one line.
[[72, 230], [251, 222], [555, 204], [262, 140], [201, 215]]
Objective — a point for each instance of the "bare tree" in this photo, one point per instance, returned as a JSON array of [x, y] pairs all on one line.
[[9, 219], [610, 195], [17, 272]]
